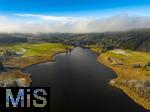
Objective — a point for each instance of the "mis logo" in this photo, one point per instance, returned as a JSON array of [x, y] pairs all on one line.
[[25, 99]]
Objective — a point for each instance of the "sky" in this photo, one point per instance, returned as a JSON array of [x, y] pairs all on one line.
[[75, 16]]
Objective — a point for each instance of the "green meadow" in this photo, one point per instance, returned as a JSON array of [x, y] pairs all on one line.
[[33, 49]]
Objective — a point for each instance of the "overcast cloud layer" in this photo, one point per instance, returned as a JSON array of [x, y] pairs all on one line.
[[29, 23]]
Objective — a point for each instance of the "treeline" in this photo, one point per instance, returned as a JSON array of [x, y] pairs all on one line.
[[133, 40]]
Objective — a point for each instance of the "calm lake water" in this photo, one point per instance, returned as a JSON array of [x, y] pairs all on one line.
[[80, 84]]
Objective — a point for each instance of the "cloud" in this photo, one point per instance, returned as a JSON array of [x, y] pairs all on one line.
[[30, 23], [44, 17]]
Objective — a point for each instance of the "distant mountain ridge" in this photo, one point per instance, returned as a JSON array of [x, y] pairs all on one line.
[[133, 40]]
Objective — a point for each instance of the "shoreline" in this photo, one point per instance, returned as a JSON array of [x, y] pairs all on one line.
[[131, 94], [19, 74], [50, 60]]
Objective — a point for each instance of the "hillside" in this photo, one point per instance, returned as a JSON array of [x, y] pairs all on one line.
[[133, 40], [138, 40]]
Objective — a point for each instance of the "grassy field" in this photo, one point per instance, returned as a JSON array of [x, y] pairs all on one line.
[[129, 59], [34, 49], [134, 81], [95, 48], [33, 53]]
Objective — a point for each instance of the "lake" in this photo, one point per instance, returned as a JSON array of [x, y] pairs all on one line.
[[81, 84]]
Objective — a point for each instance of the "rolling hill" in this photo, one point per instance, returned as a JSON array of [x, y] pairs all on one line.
[[138, 40]]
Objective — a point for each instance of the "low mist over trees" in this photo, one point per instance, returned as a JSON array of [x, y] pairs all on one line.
[[133, 40]]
